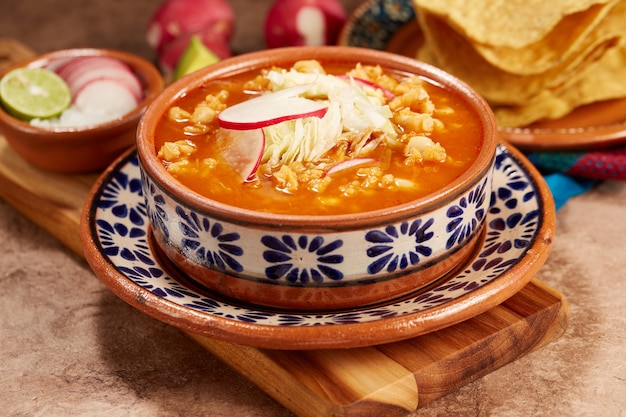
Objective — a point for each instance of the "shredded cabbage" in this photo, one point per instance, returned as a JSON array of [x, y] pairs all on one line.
[[351, 109]]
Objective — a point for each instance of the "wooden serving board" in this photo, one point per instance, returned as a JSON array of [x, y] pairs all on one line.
[[391, 379]]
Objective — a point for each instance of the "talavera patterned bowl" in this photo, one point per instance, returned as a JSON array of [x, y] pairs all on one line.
[[305, 262]]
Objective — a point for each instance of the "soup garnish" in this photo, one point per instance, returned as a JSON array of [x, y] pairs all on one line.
[[316, 140]]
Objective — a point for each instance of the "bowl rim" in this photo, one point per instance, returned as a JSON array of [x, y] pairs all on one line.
[[151, 78], [285, 56]]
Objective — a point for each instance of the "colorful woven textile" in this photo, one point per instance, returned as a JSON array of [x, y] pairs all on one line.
[[604, 164], [572, 173]]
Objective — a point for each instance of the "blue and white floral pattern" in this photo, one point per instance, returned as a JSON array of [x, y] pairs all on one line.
[[467, 216], [318, 258], [385, 253], [119, 229], [221, 254], [302, 260]]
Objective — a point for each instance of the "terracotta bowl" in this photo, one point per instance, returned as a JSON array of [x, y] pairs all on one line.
[[229, 250], [81, 149]]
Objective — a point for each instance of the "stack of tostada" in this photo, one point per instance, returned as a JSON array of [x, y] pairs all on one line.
[[530, 59]]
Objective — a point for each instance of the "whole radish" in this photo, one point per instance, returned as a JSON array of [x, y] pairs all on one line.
[[303, 23], [175, 21]]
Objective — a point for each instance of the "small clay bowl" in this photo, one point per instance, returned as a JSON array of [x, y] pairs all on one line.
[[232, 251], [72, 150]]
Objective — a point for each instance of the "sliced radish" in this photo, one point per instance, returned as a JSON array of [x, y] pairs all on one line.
[[81, 64], [105, 96], [368, 83], [68, 65], [91, 74], [349, 164], [84, 70], [242, 149], [271, 108]]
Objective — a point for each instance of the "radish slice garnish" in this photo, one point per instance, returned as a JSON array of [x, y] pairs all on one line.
[[65, 68], [242, 149], [367, 83], [105, 96], [271, 108], [349, 164], [92, 70], [83, 70], [72, 65]]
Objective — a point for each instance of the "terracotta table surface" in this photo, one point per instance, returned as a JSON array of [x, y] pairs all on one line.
[[69, 347]]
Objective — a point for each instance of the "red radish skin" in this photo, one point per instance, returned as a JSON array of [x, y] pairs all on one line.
[[100, 85], [70, 66], [66, 66], [388, 94], [87, 70], [242, 149], [175, 18], [303, 23], [271, 108], [76, 64], [105, 96], [349, 164]]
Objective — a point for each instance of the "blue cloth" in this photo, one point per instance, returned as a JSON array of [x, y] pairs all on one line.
[[564, 187]]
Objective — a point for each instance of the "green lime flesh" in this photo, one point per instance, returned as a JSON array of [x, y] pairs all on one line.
[[29, 93]]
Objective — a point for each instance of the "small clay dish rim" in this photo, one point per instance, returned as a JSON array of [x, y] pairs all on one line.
[[33, 142]]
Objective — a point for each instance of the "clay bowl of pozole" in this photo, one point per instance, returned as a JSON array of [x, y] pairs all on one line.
[[317, 178]]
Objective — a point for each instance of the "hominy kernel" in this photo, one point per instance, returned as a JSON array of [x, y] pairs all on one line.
[[196, 129], [179, 115]]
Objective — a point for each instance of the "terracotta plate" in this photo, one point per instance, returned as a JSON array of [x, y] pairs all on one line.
[[116, 240], [391, 25]]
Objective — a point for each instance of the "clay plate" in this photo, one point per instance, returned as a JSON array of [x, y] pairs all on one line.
[[391, 25], [518, 234]]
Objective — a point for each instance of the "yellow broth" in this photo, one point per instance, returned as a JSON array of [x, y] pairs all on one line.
[[461, 138]]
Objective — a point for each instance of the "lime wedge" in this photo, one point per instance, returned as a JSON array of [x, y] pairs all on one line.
[[29, 93], [195, 56]]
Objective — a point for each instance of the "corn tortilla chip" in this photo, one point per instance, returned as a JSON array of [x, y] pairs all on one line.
[[574, 33], [506, 23], [452, 52], [603, 80], [531, 63]]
